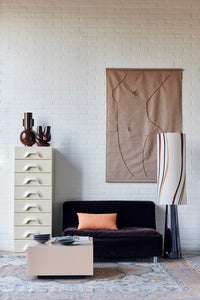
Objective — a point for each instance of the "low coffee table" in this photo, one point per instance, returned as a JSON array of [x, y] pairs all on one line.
[[52, 259]]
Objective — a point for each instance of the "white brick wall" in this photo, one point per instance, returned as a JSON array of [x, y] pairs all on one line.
[[53, 59]]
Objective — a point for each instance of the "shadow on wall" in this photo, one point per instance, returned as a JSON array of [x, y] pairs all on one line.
[[66, 185]]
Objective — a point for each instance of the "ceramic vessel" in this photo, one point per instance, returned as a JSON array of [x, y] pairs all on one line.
[[41, 238], [27, 136], [47, 133], [43, 137]]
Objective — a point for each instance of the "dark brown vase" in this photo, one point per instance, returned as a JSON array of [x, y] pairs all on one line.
[[43, 137], [39, 132], [27, 136], [47, 133]]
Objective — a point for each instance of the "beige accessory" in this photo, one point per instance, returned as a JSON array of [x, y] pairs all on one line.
[[140, 104]]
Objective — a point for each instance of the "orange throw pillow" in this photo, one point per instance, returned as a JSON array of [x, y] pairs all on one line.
[[97, 221]]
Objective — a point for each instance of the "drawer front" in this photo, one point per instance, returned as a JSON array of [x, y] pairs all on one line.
[[32, 193], [24, 233], [21, 245], [32, 219], [28, 179], [33, 153], [33, 206], [33, 166]]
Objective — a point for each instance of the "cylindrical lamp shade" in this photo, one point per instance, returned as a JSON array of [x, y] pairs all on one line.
[[171, 168]]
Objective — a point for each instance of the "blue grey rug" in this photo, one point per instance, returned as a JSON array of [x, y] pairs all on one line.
[[112, 280]]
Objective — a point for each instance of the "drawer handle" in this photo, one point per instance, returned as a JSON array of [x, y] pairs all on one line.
[[28, 167], [27, 220], [28, 206], [28, 194], [28, 180], [28, 154], [27, 233], [25, 247]]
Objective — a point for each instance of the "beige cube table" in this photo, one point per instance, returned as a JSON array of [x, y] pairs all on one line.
[[59, 260]]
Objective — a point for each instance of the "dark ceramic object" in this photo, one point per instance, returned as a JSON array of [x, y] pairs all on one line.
[[39, 132], [43, 137], [41, 238], [47, 133], [27, 136]]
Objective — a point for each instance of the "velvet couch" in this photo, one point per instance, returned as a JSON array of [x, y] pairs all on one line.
[[136, 235]]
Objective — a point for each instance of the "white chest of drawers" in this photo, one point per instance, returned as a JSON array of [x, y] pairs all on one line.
[[32, 194]]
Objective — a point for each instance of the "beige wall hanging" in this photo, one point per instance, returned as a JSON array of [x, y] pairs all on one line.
[[140, 104]]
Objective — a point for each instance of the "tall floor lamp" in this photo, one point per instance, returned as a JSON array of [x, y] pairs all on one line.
[[171, 186]]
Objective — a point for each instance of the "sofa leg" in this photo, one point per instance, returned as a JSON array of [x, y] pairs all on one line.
[[155, 259]]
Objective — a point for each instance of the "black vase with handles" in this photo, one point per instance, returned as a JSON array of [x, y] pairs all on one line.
[[47, 133], [43, 137]]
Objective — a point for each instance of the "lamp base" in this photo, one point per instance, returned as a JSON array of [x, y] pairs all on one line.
[[172, 244]]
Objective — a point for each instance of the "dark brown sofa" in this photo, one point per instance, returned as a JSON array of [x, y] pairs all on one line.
[[136, 235]]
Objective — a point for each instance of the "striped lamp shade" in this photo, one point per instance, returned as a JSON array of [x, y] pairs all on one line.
[[171, 168]]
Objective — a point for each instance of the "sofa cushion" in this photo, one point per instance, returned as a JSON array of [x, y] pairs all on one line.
[[124, 233], [97, 221]]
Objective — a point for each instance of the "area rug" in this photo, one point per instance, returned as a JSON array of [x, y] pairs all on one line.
[[173, 279]]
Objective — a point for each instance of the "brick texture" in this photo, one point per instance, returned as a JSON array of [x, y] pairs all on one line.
[[53, 59]]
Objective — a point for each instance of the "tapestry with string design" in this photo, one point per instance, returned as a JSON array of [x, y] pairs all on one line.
[[140, 104]]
